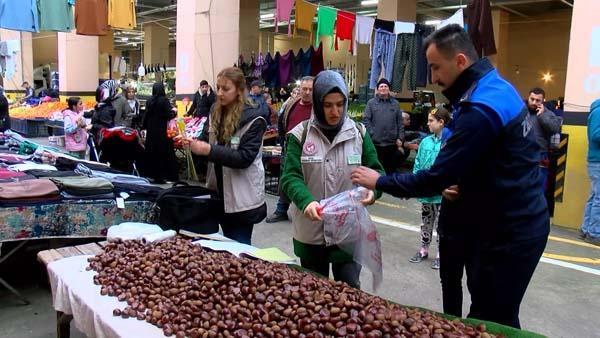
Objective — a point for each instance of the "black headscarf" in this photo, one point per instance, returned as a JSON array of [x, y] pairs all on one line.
[[158, 89]]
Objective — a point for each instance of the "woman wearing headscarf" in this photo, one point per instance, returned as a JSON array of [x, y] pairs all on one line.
[[232, 142], [160, 161], [320, 155], [104, 112], [4, 118]]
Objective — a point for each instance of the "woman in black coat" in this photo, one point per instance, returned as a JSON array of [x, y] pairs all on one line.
[[4, 118], [160, 162]]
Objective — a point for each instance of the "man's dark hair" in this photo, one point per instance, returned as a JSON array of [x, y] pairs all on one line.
[[25, 83], [451, 40], [538, 91], [204, 83]]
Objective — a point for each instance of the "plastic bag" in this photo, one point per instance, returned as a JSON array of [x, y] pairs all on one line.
[[347, 224]]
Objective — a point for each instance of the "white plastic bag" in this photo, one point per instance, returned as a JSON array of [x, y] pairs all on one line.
[[347, 224]]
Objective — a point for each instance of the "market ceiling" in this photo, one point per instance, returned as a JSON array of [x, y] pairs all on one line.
[[164, 12]]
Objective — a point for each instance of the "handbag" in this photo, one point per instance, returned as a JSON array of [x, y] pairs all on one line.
[[192, 208]]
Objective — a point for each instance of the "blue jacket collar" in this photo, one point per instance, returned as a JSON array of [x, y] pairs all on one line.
[[466, 79]]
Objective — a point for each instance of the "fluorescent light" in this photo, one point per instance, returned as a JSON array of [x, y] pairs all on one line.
[[433, 22], [267, 16], [369, 3]]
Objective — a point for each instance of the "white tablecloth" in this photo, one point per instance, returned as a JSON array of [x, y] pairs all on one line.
[[74, 292]]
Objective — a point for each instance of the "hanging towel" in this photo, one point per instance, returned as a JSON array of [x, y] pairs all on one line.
[[91, 17], [297, 64], [283, 11], [316, 61], [19, 15], [456, 18], [385, 25], [401, 27], [480, 27], [265, 67], [325, 23], [56, 15], [273, 72], [121, 14], [286, 69], [306, 61], [305, 12], [344, 27], [364, 31], [260, 61]]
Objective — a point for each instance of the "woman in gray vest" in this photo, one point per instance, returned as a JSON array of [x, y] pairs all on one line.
[[232, 143], [320, 155]]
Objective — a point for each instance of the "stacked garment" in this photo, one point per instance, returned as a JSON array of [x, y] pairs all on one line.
[[29, 191], [82, 186]]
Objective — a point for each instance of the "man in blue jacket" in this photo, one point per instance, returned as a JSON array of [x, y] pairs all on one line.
[[590, 228], [493, 217]]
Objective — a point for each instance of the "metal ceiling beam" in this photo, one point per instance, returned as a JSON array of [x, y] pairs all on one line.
[[158, 10]]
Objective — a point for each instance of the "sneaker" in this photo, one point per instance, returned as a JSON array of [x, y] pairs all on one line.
[[592, 240], [418, 257], [277, 217], [435, 264]]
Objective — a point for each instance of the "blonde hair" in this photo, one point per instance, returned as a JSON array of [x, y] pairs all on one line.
[[224, 121]]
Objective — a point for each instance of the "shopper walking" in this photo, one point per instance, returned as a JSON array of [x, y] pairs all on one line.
[[160, 162], [136, 113], [4, 117], [75, 128], [256, 96], [590, 229], [232, 143], [430, 208], [295, 111], [490, 164], [320, 155], [383, 120], [123, 111], [203, 101]]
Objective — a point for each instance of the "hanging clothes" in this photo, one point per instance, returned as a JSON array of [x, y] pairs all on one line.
[[306, 61], [91, 17], [19, 15], [286, 69], [283, 12], [404, 27], [383, 57], [297, 64], [385, 25], [56, 16], [480, 27], [257, 70], [423, 71], [316, 61], [274, 72], [305, 12], [456, 18], [325, 23], [405, 62], [344, 26], [364, 31], [265, 68], [121, 14]]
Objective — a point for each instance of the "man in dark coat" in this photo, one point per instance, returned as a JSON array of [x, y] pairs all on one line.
[[203, 101]]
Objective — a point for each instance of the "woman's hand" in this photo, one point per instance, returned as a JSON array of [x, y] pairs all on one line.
[[199, 147], [370, 199], [313, 211]]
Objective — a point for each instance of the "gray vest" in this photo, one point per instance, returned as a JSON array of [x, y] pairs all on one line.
[[243, 189], [326, 168]]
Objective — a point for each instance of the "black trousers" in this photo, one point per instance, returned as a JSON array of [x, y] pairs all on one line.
[[453, 259], [348, 272], [389, 157], [498, 277]]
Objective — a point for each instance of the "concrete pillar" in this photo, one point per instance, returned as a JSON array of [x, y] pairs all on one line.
[[500, 20], [249, 31], [23, 62], [398, 10], [78, 65], [208, 40], [156, 44]]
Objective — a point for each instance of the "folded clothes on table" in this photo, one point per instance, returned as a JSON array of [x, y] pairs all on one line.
[[84, 186]]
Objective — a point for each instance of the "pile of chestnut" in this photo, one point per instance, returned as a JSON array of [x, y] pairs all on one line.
[[188, 291]]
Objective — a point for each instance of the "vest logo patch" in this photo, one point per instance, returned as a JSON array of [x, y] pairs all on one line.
[[310, 148]]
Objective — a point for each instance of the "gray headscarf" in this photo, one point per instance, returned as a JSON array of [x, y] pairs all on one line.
[[327, 82]]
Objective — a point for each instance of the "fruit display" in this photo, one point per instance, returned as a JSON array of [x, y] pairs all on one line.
[[189, 291], [44, 110]]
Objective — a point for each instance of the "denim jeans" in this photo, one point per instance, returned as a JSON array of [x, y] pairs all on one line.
[[591, 217], [383, 57]]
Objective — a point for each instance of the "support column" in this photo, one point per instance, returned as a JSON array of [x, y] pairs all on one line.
[[77, 65], [156, 44], [398, 10], [582, 88], [23, 62], [249, 29], [500, 20], [208, 40]]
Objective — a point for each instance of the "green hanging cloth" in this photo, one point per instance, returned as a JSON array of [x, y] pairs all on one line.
[[325, 23]]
